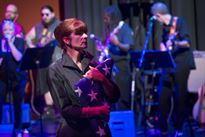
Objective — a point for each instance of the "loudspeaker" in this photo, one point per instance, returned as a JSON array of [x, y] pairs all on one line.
[[122, 124], [7, 114], [6, 130], [8, 117], [25, 113], [197, 76]]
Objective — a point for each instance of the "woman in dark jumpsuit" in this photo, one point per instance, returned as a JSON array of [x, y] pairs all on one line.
[[79, 120]]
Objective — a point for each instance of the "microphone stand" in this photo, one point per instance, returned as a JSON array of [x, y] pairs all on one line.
[[140, 64], [146, 43], [142, 111]]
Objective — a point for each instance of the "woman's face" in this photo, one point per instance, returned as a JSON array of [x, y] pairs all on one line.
[[47, 16], [78, 40], [106, 19], [8, 30]]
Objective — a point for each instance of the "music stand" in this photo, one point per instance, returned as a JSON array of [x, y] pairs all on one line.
[[153, 60], [37, 58]]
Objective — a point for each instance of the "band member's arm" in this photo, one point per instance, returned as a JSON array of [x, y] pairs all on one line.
[[30, 36], [181, 37], [17, 54], [182, 44], [184, 41], [162, 47], [174, 43], [122, 46], [126, 41], [177, 44]]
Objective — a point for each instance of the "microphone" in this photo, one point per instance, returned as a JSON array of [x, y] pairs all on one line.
[[8, 36], [97, 40], [120, 24], [92, 36], [153, 18], [117, 28]]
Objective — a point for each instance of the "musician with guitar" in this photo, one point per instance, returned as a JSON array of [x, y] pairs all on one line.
[[11, 13], [118, 38], [175, 37], [39, 36]]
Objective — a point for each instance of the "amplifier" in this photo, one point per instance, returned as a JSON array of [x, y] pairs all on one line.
[[8, 113], [197, 76], [122, 124], [6, 130]]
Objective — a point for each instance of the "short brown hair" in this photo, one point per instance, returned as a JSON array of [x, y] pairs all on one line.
[[68, 26], [47, 7], [159, 7]]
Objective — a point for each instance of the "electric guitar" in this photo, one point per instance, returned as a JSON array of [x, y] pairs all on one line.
[[199, 107], [172, 38], [104, 48]]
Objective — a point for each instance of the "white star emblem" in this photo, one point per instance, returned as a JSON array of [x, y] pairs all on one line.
[[101, 131], [106, 69], [79, 91], [93, 95]]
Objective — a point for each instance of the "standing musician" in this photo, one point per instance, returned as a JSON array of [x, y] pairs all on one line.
[[41, 35], [12, 80], [11, 13], [175, 38], [79, 119], [119, 44]]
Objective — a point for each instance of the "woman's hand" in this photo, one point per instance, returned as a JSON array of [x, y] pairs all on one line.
[[94, 74], [10, 39], [103, 111]]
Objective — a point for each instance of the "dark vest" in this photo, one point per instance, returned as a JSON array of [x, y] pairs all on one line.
[[40, 27]]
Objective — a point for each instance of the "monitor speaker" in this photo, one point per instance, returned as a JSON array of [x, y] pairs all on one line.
[[197, 76], [6, 130], [122, 124]]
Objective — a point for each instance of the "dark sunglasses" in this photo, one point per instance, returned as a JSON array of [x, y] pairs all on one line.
[[42, 14]]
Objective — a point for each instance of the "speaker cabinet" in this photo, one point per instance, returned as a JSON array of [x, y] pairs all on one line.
[[197, 76], [8, 113], [6, 130], [122, 124]]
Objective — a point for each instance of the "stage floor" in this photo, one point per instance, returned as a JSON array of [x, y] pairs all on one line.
[[49, 127]]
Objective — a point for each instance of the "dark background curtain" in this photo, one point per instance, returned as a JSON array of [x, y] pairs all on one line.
[[136, 13]]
